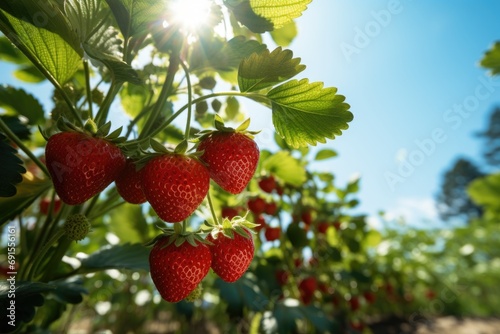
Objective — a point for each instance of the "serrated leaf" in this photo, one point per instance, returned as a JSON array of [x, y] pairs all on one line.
[[224, 56], [279, 12], [244, 13], [85, 16], [18, 101], [491, 59], [126, 256], [9, 53], [11, 169], [42, 33], [306, 113], [285, 167], [266, 69], [18, 127], [28, 296], [285, 35], [121, 71], [134, 17], [325, 154], [27, 191]]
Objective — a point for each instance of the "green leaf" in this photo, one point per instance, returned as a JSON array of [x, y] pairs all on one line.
[[491, 59], [243, 12], [28, 296], [285, 167], [279, 12], [306, 113], [134, 17], [42, 33], [9, 53], [85, 16], [27, 191], [17, 101], [29, 73], [325, 154], [120, 70], [243, 292], [128, 223], [285, 35], [11, 170], [133, 99], [263, 70], [127, 256], [69, 291], [485, 191], [17, 126]]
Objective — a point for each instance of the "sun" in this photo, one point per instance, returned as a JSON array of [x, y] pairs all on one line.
[[190, 14]]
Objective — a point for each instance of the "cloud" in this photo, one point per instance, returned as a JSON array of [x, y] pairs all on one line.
[[413, 210]]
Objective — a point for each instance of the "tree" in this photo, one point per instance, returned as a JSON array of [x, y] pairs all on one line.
[[453, 200], [491, 149]]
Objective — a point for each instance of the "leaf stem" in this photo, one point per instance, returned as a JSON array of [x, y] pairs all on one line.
[[12, 136], [103, 112], [160, 102], [212, 210], [88, 88], [41, 254], [190, 98]]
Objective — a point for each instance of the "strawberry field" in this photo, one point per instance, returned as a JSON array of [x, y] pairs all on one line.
[[142, 199]]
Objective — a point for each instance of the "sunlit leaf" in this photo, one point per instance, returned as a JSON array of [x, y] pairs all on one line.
[[285, 167], [244, 13], [491, 59], [285, 35], [325, 154], [133, 99], [485, 191], [85, 16], [279, 12], [265, 69], [306, 113], [128, 224], [42, 33], [29, 73], [18, 101]]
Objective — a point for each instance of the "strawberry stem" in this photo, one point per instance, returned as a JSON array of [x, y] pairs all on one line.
[[87, 87], [102, 114], [190, 100], [184, 226], [41, 254], [212, 210]]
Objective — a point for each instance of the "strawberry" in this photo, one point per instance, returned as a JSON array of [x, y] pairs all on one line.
[[81, 166], [354, 303], [323, 227], [129, 184], [231, 158], [45, 205], [231, 256], [281, 276], [267, 184], [306, 217], [257, 205], [175, 185], [307, 287], [229, 212], [271, 208], [177, 270], [370, 297], [272, 233]]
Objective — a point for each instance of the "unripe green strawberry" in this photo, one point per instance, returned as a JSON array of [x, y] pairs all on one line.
[[177, 270], [76, 227]]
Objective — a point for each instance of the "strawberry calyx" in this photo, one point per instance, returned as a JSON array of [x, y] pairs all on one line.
[[228, 227], [178, 236], [221, 127], [155, 149]]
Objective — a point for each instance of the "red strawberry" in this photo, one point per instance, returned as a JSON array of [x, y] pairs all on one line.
[[176, 271], [81, 166], [261, 221], [272, 233], [354, 303], [322, 227], [231, 257], [229, 213], [307, 287], [307, 217], [271, 208], [129, 184], [257, 205], [282, 276], [231, 158], [370, 297], [45, 205], [267, 184], [175, 185]]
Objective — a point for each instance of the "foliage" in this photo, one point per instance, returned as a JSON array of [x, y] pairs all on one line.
[[453, 201], [491, 136]]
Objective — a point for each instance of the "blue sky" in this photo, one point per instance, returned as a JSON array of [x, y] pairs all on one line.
[[406, 68], [409, 70]]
